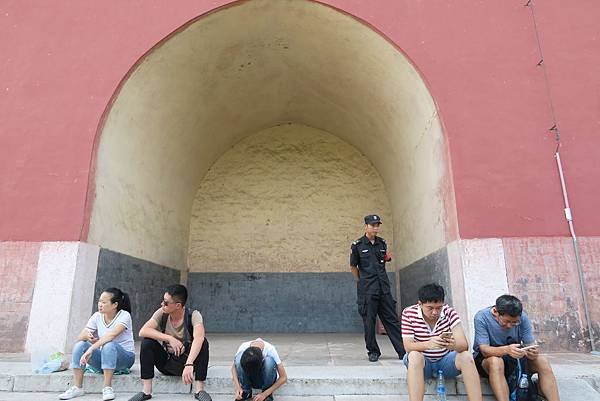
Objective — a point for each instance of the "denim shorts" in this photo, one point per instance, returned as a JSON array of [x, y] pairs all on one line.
[[446, 365]]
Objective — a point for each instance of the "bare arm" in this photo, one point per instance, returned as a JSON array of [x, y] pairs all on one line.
[[86, 335], [188, 372], [197, 343], [410, 344], [355, 272], [236, 382], [512, 349], [281, 379], [108, 337], [459, 341], [150, 330]]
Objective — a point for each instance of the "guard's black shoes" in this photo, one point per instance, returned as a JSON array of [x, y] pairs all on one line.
[[373, 357]]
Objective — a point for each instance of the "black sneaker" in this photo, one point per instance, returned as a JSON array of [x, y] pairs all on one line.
[[373, 357], [141, 396], [202, 396]]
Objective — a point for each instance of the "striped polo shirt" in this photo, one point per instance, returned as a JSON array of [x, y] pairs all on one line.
[[415, 326]]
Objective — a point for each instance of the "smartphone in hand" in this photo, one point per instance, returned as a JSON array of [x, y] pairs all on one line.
[[447, 335]]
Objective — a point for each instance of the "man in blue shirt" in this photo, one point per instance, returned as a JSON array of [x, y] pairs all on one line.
[[502, 331]]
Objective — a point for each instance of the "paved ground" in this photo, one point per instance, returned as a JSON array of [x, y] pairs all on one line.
[[327, 367], [221, 397]]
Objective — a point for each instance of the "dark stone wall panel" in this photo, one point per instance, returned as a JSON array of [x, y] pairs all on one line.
[[276, 302], [144, 281], [433, 268]]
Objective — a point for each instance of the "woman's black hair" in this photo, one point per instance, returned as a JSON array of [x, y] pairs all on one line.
[[120, 297]]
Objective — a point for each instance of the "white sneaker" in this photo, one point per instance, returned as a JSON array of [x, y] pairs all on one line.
[[71, 393], [108, 394]]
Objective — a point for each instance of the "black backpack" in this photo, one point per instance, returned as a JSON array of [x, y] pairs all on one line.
[[513, 370]]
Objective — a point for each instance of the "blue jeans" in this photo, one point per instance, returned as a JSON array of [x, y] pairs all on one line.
[[262, 381], [447, 365], [110, 356]]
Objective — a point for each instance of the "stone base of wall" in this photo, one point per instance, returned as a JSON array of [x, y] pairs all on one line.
[[433, 268], [144, 281], [277, 302], [540, 271]]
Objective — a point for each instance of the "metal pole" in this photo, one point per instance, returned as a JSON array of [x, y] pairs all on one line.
[[569, 218]]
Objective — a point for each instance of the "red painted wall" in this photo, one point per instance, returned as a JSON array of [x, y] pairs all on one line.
[[542, 273], [18, 269], [62, 61]]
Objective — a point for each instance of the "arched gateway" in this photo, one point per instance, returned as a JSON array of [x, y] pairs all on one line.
[[241, 153]]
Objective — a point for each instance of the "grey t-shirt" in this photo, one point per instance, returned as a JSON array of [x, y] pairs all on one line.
[[489, 332]]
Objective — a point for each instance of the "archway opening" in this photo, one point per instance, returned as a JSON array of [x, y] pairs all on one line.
[[307, 84]]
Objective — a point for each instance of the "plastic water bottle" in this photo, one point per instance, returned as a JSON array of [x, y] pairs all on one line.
[[523, 387], [441, 387]]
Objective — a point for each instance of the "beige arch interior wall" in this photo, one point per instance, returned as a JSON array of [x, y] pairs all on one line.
[[288, 199], [249, 67]]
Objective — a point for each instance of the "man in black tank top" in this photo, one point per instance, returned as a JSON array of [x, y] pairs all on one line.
[[174, 342]]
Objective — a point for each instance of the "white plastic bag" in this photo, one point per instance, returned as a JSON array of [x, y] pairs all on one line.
[[47, 363]]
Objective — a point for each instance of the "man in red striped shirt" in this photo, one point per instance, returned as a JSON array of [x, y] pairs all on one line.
[[434, 340]]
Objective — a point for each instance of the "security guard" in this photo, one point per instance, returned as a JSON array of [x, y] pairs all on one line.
[[368, 255]]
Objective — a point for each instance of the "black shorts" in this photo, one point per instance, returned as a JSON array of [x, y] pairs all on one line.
[[479, 365]]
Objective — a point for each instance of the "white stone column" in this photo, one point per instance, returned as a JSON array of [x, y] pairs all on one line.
[[483, 268], [63, 295]]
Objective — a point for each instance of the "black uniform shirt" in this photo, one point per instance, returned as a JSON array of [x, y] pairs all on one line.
[[370, 260]]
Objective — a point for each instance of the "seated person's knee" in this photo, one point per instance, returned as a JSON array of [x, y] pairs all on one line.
[[495, 365], [269, 363], [416, 358], [80, 345], [109, 347], [464, 357], [541, 365], [147, 343]]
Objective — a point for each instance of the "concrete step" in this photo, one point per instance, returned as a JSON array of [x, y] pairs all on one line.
[[309, 382], [302, 380], [325, 366]]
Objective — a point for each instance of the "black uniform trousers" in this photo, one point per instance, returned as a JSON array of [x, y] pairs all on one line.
[[383, 305], [152, 354]]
